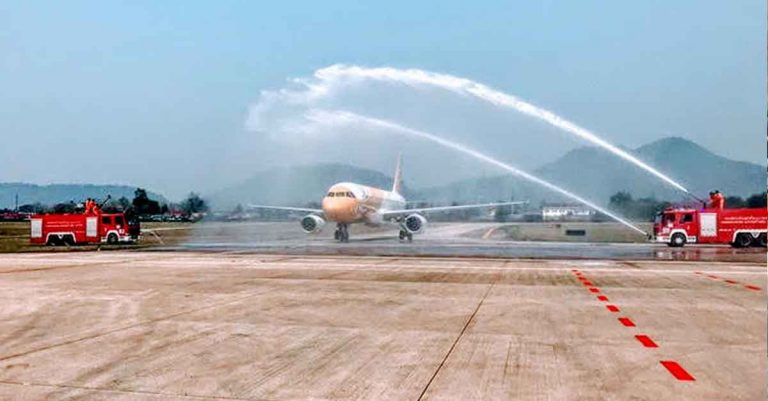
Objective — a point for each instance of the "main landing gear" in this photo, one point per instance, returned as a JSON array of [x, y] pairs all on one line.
[[342, 233], [405, 236]]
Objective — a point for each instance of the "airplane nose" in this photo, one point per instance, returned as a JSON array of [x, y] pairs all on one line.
[[340, 210]]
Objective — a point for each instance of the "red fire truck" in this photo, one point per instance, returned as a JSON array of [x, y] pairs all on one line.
[[71, 229], [738, 227]]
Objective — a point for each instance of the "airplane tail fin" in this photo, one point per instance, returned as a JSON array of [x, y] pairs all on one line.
[[398, 179]]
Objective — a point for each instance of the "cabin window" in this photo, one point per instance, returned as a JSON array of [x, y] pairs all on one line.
[[106, 220], [119, 220], [330, 194], [686, 218], [350, 194]]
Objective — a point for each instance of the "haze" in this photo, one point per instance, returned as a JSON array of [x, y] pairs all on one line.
[[158, 95]]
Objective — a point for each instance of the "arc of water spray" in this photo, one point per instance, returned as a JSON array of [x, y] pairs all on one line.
[[348, 118], [486, 93]]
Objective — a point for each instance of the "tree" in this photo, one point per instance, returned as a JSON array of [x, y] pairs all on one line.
[[143, 205], [194, 204], [757, 200], [734, 202], [620, 200], [641, 209], [124, 203], [32, 208], [66, 207]]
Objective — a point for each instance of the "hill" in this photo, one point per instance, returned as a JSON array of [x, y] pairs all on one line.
[[596, 174], [588, 171], [295, 186], [58, 193], [594, 171]]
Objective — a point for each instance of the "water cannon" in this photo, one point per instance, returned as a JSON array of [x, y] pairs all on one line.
[[104, 202], [696, 198]]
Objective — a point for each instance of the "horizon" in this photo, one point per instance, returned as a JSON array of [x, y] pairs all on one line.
[[384, 172]]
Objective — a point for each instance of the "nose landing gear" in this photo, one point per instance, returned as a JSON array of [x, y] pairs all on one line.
[[342, 233], [405, 236]]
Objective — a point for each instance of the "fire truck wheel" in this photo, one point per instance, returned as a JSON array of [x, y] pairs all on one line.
[[677, 240], [762, 240], [53, 240], [743, 240], [112, 239], [68, 240]]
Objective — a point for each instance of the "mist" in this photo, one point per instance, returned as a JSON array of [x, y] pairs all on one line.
[[282, 132]]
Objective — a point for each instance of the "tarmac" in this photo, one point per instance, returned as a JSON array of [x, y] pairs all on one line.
[[444, 240], [235, 324]]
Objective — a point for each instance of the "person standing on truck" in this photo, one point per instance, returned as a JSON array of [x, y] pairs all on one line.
[[717, 200]]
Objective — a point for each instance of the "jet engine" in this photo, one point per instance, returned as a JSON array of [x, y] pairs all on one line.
[[312, 223], [414, 223]]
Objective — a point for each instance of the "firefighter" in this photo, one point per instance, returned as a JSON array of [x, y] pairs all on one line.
[[717, 201]]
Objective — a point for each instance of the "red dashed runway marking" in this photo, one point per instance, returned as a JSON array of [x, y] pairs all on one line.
[[677, 371], [627, 322], [732, 282], [673, 367], [646, 341]]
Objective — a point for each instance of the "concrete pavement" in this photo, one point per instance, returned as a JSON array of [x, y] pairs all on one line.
[[237, 326]]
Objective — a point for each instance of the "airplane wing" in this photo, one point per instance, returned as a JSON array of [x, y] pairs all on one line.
[[286, 208], [390, 213]]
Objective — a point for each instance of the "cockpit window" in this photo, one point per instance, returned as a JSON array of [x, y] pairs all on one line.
[[341, 194]]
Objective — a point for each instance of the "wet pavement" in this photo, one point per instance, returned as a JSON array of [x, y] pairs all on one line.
[[447, 240]]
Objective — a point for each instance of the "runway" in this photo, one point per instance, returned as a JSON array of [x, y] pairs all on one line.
[[238, 325], [450, 240]]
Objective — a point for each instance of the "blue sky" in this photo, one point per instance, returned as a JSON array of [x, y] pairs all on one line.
[[148, 93]]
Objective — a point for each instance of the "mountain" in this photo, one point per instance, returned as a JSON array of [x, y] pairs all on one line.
[[59, 193], [596, 174], [590, 172], [295, 186], [594, 171]]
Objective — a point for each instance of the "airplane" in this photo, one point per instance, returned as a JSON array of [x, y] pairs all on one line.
[[348, 203]]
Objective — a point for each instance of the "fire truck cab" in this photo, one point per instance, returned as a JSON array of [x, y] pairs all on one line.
[[738, 227], [71, 229]]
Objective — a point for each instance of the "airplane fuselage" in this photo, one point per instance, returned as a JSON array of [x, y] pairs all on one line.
[[348, 203]]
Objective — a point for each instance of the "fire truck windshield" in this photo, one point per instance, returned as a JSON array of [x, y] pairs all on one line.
[[667, 218]]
